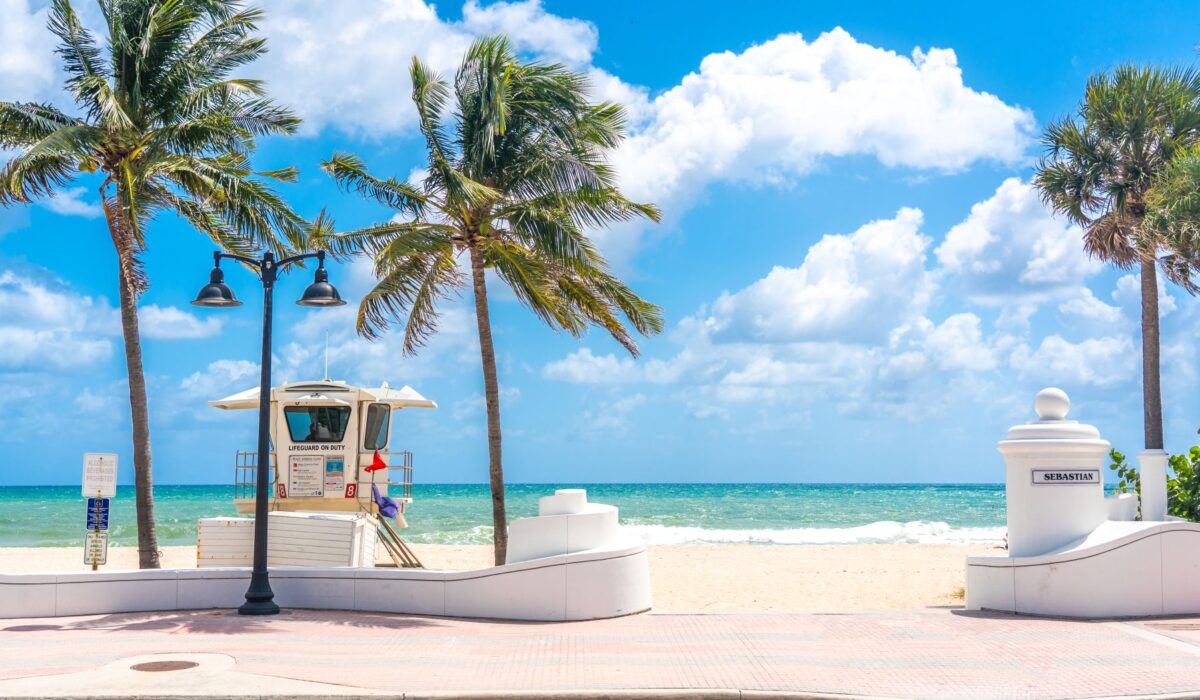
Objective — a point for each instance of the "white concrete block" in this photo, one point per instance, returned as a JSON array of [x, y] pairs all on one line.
[[595, 527], [131, 591], [1181, 572], [563, 502], [27, 595], [1125, 581], [1152, 465], [991, 587], [534, 538], [529, 594], [328, 589], [410, 596], [1122, 506], [608, 587], [212, 588]]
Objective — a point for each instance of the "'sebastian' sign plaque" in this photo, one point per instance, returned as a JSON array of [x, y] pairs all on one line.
[[1043, 477]]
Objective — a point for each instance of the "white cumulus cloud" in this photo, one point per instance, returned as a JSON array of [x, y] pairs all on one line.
[[777, 109], [345, 64], [849, 287], [1010, 247], [533, 29], [44, 325], [220, 378], [71, 202], [1094, 361], [170, 322], [869, 321], [1128, 295], [1088, 306], [27, 69]]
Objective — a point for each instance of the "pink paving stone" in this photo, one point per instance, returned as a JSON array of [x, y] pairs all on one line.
[[944, 654]]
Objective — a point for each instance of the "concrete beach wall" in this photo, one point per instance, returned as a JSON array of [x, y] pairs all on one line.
[[579, 586]]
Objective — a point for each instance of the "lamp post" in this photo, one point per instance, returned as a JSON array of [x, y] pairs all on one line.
[[259, 596]]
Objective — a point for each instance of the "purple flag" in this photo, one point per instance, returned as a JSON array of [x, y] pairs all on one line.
[[388, 507]]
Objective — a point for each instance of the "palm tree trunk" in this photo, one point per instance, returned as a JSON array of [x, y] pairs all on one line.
[[492, 396], [143, 483], [1151, 388]]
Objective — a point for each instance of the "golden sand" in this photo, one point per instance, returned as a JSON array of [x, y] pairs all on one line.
[[690, 578]]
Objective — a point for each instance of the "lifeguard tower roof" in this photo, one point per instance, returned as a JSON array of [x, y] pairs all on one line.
[[404, 397]]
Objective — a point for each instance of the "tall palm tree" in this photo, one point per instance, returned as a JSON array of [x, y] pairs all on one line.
[[164, 130], [1101, 165], [511, 186]]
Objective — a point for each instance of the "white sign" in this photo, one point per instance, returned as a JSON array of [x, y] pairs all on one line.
[[306, 476], [95, 548], [1044, 477], [99, 475], [335, 475]]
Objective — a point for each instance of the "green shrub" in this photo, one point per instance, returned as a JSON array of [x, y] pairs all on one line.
[[1183, 485], [1183, 482]]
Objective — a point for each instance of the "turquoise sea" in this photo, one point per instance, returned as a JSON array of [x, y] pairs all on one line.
[[661, 513]]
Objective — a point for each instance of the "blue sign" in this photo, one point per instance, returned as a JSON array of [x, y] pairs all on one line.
[[97, 513]]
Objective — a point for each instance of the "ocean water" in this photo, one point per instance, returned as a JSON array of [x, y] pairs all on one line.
[[661, 513]]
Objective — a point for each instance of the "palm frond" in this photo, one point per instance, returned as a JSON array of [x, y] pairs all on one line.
[[351, 175], [409, 289], [24, 124], [26, 177], [531, 279]]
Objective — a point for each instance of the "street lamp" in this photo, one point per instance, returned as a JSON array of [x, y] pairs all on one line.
[[259, 597]]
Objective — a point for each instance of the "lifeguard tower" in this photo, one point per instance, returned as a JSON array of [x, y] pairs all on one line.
[[333, 441]]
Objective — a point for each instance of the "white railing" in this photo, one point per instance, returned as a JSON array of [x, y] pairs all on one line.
[[399, 474], [245, 474]]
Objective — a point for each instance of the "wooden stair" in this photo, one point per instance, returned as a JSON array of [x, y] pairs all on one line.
[[401, 554]]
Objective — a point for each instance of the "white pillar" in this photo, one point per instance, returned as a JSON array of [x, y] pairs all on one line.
[[1054, 483], [1152, 466]]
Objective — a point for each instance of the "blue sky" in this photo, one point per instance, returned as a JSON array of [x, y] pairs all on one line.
[[859, 283]]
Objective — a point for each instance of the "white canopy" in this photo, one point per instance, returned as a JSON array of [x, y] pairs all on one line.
[[242, 399], [404, 397]]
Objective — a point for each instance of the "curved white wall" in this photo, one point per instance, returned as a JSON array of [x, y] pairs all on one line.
[[581, 586], [571, 562], [1121, 569]]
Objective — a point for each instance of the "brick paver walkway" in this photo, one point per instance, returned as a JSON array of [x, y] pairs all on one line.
[[937, 653]]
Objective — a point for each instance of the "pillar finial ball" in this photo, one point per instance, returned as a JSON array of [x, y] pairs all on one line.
[[1052, 404]]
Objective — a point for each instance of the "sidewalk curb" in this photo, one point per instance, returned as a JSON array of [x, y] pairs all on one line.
[[621, 694]]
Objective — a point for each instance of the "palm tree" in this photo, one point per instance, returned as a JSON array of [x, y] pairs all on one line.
[[1173, 206], [511, 187], [166, 131], [1101, 166]]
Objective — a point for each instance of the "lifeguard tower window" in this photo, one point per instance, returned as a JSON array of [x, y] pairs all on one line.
[[376, 434], [317, 423]]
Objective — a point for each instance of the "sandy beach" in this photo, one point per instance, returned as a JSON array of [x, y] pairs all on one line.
[[691, 578]]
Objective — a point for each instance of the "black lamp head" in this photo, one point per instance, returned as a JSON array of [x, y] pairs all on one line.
[[321, 292], [216, 293]]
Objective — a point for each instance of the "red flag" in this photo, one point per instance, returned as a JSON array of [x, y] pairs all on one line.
[[377, 464]]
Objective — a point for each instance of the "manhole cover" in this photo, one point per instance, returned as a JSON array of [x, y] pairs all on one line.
[[160, 666]]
